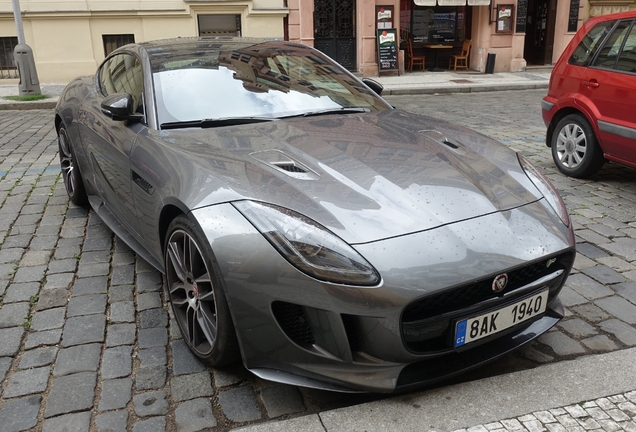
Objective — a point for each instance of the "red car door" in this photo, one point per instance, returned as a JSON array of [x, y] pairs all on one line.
[[609, 86]]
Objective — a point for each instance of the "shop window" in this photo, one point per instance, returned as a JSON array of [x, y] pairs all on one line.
[[7, 45], [219, 25], [439, 24], [112, 42]]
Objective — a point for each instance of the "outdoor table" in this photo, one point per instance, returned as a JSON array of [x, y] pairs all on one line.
[[437, 47]]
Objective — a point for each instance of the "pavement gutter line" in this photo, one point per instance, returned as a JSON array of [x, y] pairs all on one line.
[[479, 402], [492, 399]]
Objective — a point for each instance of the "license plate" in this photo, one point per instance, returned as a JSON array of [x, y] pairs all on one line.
[[475, 328]]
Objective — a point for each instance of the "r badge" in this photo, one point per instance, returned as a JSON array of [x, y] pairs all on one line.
[[500, 282]]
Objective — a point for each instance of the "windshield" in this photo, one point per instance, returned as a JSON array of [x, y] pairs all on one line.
[[268, 80]]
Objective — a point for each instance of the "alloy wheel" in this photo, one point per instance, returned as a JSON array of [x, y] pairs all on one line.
[[571, 145], [191, 292], [67, 163]]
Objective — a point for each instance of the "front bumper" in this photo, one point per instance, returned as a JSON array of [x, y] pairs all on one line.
[[298, 330]]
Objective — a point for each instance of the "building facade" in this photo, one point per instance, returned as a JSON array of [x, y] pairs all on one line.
[[72, 37], [520, 33]]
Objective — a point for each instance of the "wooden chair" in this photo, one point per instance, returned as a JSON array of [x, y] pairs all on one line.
[[412, 59], [461, 60]]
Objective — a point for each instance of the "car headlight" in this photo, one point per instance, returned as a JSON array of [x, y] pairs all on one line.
[[545, 187], [309, 246]]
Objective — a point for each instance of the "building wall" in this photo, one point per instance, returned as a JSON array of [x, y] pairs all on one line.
[[301, 29], [66, 37]]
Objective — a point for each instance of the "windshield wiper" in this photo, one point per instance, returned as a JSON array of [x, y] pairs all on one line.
[[343, 110], [208, 123]]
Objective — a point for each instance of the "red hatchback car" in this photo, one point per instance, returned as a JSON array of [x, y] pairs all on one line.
[[590, 109]]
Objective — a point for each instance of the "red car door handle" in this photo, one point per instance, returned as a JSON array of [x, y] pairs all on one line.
[[591, 83]]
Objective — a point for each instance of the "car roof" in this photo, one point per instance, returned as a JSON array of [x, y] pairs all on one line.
[[166, 51], [609, 17]]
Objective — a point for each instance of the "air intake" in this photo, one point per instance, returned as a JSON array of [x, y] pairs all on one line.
[[289, 167], [293, 320]]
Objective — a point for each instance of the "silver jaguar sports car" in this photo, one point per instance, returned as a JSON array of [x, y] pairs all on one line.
[[305, 226]]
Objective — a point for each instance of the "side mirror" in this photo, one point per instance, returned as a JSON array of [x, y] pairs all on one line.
[[373, 85], [120, 107]]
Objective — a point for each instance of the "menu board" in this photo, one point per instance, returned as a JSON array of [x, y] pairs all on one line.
[[522, 16], [387, 49], [384, 17], [573, 19], [505, 18]]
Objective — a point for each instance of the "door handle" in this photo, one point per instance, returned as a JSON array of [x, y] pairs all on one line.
[[591, 83]]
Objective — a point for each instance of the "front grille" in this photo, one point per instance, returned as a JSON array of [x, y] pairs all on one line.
[[293, 320], [427, 322]]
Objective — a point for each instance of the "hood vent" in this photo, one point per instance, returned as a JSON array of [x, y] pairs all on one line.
[[441, 139], [285, 164], [289, 167]]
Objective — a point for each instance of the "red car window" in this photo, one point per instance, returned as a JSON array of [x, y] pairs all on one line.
[[608, 55], [586, 49], [627, 60]]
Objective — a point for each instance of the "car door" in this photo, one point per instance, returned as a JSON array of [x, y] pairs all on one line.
[[109, 143], [610, 84]]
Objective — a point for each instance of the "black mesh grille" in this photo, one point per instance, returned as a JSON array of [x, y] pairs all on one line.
[[290, 167], [293, 320], [464, 296], [426, 323]]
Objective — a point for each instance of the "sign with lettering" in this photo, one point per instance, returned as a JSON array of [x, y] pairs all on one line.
[[384, 17], [573, 19], [387, 49], [522, 16]]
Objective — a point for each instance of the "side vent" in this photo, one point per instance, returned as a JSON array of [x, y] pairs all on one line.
[[293, 320], [142, 183]]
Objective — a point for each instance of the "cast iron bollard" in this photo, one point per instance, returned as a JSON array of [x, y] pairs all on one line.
[[23, 58]]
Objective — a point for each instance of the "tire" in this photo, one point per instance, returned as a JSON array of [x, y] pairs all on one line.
[[71, 174], [575, 150], [196, 295]]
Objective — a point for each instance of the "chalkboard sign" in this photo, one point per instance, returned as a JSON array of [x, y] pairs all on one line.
[[387, 49], [573, 19], [522, 16]]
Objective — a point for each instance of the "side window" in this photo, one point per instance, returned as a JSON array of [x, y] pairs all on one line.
[[590, 42], [608, 55], [627, 60], [123, 74]]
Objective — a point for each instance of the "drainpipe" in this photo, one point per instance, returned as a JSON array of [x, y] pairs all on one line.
[[23, 58]]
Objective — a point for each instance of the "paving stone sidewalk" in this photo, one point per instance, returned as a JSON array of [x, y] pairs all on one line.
[[608, 414]]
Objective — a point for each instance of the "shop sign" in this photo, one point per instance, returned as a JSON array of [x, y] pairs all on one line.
[[573, 19], [522, 16], [505, 18], [387, 49], [451, 2], [384, 17], [425, 2]]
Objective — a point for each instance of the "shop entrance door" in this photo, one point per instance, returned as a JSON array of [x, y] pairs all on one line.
[[335, 30], [539, 44]]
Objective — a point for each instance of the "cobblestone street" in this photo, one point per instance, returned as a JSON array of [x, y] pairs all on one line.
[[87, 341]]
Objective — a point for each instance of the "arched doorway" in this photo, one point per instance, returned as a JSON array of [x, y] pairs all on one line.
[[335, 30]]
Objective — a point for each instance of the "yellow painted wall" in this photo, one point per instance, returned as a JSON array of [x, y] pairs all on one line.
[[66, 36]]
